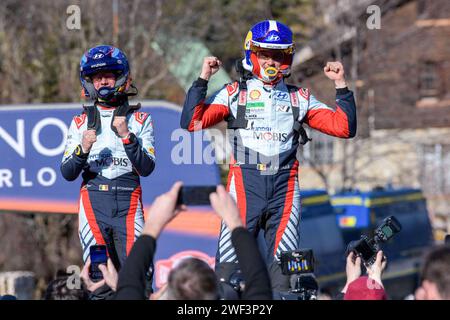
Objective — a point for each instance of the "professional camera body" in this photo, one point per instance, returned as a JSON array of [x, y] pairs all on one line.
[[299, 264], [367, 248], [233, 287]]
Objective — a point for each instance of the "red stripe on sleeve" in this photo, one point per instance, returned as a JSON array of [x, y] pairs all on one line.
[[331, 122], [207, 115]]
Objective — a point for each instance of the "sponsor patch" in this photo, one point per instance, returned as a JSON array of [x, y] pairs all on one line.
[[304, 93], [232, 88], [79, 120], [283, 96], [140, 117], [270, 136], [283, 108], [252, 126], [255, 105], [294, 99], [253, 116], [103, 187], [243, 97], [261, 167], [151, 151], [255, 94]]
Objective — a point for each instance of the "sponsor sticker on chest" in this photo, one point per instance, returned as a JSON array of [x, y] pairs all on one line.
[[255, 94], [283, 108], [253, 105]]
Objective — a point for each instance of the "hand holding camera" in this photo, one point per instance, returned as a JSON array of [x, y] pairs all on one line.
[[375, 270], [224, 205], [367, 248]]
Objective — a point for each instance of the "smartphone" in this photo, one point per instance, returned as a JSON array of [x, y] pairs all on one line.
[[195, 195], [98, 257]]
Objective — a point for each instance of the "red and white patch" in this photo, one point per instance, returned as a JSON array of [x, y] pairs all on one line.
[[140, 117], [294, 99], [163, 267], [304, 93], [79, 120], [232, 88]]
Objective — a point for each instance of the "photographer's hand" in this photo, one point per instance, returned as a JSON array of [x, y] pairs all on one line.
[[90, 285], [376, 270], [162, 211], [109, 274], [224, 205], [352, 269]]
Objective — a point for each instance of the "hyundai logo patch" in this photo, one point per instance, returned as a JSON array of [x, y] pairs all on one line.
[[98, 55]]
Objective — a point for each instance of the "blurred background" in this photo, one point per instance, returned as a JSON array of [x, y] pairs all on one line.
[[396, 56]]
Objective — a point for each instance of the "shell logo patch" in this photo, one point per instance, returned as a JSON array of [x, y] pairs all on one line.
[[255, 94], [79, 120], [151, 151]]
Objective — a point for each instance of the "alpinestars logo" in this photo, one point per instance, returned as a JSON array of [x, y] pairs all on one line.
[[270, 136]]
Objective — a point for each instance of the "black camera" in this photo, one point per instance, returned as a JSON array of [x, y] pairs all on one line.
[[367, 248], [299, 264], [297, 261], [232, 288]]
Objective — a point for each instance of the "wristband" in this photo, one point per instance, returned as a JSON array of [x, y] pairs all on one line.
[[79, 152], [130, 138]]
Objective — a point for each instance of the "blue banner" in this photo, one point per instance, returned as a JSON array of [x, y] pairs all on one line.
[[32, 140]]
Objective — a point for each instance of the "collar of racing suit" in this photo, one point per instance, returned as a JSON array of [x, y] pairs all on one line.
[[268, 85]]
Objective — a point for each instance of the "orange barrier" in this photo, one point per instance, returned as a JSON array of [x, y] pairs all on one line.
[[195, 222]]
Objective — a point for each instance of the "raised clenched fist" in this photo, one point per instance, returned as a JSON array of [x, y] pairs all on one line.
[[210, 66], [120, 123], [89, 138], [334, 70]]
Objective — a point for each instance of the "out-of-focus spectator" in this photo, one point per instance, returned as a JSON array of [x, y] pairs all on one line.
[[364, 287], [59, 289], [435, 275], [191, 279], [182, 282], [447, 239]]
